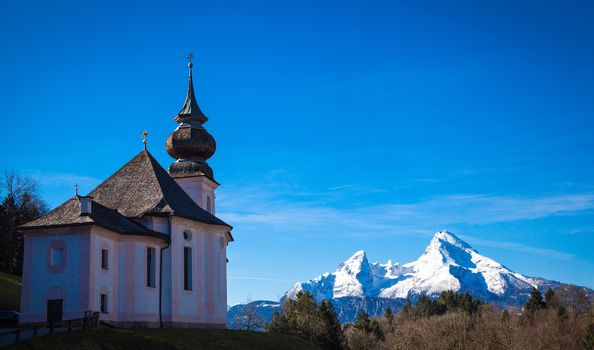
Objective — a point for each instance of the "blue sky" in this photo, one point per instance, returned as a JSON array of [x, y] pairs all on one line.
[[340, 126]]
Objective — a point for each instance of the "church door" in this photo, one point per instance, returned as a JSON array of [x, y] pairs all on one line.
[[54, 310]]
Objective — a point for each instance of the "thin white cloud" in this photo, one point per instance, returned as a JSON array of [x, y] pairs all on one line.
[[588, 231], [59, 179], [260, 279], [549, 253], [344, 187], [261, 211]]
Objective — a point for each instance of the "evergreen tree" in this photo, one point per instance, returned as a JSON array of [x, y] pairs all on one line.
[[428, 307], [423, 307], [300, 317], [407, 309], [304, 318], [551, 300], [369, 326], [505, 316], [362, 321], [389, 316], [535, 302], [332, 338], [450, 300], [466, 303], [469, 305], [376, 330]]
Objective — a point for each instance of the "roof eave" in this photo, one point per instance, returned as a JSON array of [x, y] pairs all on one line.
[[224, 224], [36, 227], [147, 233]]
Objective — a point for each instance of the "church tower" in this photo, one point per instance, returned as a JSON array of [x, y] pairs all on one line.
[[191, 146]]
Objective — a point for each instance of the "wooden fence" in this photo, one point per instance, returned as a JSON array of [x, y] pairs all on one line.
[[91, 319]]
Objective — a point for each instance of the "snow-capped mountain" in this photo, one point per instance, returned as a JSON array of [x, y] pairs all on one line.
[[448, 263]]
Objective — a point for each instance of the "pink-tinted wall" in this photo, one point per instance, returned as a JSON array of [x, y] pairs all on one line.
[[80, 279], [43, 280]]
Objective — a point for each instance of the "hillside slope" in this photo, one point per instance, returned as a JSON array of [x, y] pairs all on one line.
[[10, 292], [167, 338]]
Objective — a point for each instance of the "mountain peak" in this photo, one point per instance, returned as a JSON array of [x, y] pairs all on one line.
[[445, 236], [353, 276], [355, 263], [448, 263], [359, 255]]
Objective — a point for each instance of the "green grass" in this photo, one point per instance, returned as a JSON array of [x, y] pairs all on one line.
[[10, 292], [146, 338], [167, 338]]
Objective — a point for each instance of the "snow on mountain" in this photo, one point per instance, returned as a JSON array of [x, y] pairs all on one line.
[[448, 263]]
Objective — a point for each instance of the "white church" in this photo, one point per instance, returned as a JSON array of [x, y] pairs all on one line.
[[144, 248]]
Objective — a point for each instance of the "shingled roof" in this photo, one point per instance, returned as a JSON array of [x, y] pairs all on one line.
[[68, 214], [140, 187]]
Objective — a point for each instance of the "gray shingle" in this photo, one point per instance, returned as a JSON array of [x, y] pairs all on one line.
[[140, 187]]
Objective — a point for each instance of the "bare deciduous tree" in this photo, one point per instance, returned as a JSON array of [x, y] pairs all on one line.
[[247, 318], [20, 203]]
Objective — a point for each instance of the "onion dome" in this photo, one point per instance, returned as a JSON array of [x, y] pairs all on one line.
[[190, 144]]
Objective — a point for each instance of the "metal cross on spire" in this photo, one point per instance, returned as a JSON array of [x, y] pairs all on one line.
[[76, 189], [190, 64], [144, 138]]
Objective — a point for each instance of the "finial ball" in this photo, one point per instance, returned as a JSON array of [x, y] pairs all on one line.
[[190, 57]]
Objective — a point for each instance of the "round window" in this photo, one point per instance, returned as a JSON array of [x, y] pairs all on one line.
[[187, 235]]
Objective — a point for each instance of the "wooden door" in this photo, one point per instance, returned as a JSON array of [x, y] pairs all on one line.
[[54, 310]]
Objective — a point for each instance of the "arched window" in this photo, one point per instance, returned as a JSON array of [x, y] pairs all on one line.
[[208, 205]]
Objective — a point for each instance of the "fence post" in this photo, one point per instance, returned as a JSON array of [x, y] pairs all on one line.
[[18, 335], [34, 331], [69, 325], [51, 328]]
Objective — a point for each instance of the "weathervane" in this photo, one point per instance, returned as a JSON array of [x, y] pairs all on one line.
[[144, 138]]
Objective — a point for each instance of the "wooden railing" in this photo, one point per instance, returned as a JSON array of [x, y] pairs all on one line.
[[91, 319]]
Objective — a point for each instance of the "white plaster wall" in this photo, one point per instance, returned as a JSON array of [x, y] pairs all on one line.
[[207, 302], [146, 298], [104, 280], [42, 279], [160, 224], [166, 298], [122, 277], [199, 188], [129, 298], [155, 223]]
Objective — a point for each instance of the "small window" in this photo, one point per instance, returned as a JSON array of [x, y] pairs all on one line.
[[187, 235], [104, 259], [208, 205], [57, 256], [103, 303], [150, 267], [187, 268]]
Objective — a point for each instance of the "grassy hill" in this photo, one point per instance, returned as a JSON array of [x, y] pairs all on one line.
[[148, 339], [10, 292]]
